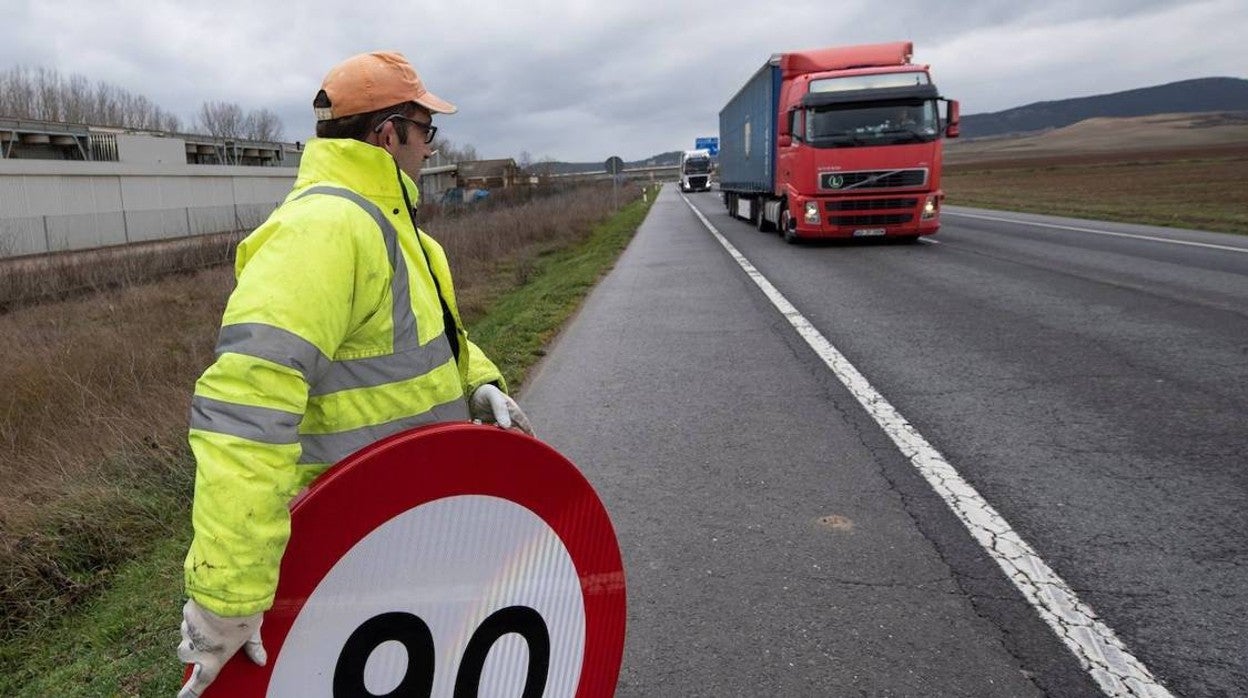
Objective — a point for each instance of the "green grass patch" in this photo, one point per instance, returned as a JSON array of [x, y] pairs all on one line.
[[101, 574], [115, 631], [121, 644], [517, 327]]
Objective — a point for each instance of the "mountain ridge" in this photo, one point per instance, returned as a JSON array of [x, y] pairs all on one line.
[[1198, 95], [1213, 94]]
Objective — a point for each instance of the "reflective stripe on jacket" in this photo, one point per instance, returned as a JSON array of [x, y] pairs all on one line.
[[333, 338]]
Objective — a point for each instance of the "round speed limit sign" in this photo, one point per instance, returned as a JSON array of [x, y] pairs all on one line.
[[451, 560]]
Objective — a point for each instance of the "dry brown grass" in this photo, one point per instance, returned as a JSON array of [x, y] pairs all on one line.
[[94, 375], [495, 249], [95, 391], [1179, 170], [1203, 188], [1110, 136], [26, 280]]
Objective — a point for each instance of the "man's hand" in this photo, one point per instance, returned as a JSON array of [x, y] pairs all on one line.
[[209, 640], [493, 406]]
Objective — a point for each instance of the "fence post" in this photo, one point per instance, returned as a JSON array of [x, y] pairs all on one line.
[[47, 239], [189, 232], [238, 224], [125, 219]]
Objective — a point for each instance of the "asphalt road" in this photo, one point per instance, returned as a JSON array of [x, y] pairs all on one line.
[[1090, 383]]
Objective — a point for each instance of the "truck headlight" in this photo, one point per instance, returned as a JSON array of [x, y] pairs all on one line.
[[931, 208], [812, 212]]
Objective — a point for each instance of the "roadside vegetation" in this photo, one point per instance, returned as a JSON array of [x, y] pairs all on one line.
[[94, 395], [1198, 188]]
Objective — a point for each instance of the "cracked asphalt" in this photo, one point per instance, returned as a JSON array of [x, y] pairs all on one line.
[[776, 541]]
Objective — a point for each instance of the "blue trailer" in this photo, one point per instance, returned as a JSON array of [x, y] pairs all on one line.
[[747, 134]]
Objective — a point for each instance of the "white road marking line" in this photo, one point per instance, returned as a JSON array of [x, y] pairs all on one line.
[[1093, 643], [1150, 238], [926, 241]]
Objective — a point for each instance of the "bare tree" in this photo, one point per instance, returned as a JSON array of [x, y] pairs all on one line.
[[454, 153], [48, 93], [263, 125], [16, 93], [227, 120], [45, 95], [546, 167], [525, 161], [77, 99], [221, 119]]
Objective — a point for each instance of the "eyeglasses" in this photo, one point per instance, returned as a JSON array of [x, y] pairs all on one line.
[[429, 129]]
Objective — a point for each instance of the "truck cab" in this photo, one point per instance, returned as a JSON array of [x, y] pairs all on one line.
[[859, 153], [838, 142], [695, 170]]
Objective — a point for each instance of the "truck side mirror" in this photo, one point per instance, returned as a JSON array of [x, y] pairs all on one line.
[[953, 113], [784, 140]]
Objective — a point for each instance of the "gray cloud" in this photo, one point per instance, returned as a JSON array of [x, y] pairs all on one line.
[[577, 80]]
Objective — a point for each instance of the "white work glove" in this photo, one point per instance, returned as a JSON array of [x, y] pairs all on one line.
[[209, 640], [493, 406]]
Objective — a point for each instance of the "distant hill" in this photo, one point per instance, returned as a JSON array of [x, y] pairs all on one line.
[[1201, 95], [1103, 136], [1187, 96]]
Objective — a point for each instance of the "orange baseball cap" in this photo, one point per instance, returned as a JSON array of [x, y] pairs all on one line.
[[371, 81]]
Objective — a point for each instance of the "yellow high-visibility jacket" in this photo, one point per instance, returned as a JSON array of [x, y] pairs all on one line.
[[333, 338]]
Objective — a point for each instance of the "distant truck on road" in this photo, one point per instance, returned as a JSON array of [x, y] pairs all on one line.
[[837, 142], [695, 170]]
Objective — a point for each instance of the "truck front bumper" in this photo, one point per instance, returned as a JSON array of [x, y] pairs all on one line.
[[895, 215]]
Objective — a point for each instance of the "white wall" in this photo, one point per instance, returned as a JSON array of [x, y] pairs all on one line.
[[54, 206], [152, 150]]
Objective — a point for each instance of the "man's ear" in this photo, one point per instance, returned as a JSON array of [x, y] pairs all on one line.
[[383, 136]]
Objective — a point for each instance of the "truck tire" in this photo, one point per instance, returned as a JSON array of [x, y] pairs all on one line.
[[788, 226]]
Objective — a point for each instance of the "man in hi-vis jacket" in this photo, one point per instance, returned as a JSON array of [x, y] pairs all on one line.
[[342, 329]]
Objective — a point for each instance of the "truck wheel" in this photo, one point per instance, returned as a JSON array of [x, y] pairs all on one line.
[[788, 226]]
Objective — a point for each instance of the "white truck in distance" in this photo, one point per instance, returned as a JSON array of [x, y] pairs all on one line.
[[695, 170]]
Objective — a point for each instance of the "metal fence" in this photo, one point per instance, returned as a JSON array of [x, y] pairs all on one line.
[[34, 235]]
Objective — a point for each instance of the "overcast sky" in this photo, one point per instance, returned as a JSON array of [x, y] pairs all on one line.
[[581, 81]]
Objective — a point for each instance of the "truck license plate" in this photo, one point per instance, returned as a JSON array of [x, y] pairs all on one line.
[[868, 232]]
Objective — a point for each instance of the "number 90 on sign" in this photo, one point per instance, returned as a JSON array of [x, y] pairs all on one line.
[[499, 611]]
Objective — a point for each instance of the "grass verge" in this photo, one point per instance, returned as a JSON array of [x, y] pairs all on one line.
[[120, 641]]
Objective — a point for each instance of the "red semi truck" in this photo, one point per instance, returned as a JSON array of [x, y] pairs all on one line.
[[837, 143]]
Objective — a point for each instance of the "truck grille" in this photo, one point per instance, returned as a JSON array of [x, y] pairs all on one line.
[[872, 179], [879, 219], [870, 204]]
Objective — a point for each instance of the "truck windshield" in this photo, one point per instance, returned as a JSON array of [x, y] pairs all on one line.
[[872, 123], [697, 165]]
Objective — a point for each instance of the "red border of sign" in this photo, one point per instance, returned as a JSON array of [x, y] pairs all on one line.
[[421, 465]]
